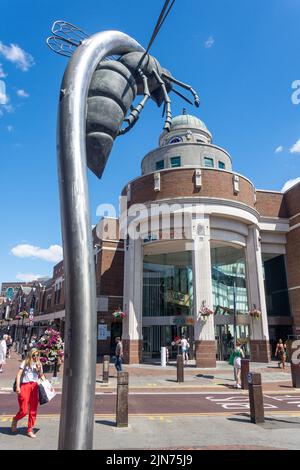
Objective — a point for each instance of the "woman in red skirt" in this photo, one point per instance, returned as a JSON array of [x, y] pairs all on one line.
[[30, 372]]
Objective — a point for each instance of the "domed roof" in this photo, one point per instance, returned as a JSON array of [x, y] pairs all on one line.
[[186, 120]]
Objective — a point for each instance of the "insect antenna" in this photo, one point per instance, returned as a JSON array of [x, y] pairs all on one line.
[[161, 19], [182, 96]]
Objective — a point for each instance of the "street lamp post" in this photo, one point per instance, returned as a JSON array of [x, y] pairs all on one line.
[[77, 410], [234, 315]]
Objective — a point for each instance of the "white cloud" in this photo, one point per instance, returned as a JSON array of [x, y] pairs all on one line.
[[296, 147], [22, 93], [290, 183], [2, 74], [209, 42], [53, 254], [3, 96], [17, 56], [28, 277], [279, 149]]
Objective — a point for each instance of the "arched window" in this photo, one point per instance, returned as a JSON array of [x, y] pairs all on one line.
[[175, 140]]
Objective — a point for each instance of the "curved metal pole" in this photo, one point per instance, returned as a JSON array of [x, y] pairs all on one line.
[[77, 411]]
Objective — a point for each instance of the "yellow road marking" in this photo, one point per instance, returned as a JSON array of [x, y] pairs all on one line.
[[170, 415]]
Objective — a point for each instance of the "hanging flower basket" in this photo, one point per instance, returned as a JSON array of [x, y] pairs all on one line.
[[118, 315], [205, 312], [255, 313], [24, 314], [176, 341], [51, 348]]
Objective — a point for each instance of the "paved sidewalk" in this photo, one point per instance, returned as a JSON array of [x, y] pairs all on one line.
[[154, 377], [166, 432]]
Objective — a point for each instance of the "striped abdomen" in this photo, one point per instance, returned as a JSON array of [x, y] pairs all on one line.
[[110, 95]]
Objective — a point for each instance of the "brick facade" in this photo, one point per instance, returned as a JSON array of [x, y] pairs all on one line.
[[132, 350], [205, 354], [271, 204], [292, 198], [180, 183], [260, 351]]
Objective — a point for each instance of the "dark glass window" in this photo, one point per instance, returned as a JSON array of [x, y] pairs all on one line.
[[175, 140], [168, 285], [175, 162], [160, 165], [221, 165], [277, 298], [208, 162]]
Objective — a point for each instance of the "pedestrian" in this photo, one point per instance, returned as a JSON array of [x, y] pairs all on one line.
[[33, 342], [30, 371], [237, 363], [184, 347], [3, 351], [281, 354], [118, 354], [9, 343]]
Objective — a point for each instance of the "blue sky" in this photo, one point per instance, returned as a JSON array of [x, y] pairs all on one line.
[[241, 56]]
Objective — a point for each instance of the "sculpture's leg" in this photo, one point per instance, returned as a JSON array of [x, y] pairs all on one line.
[[167, 101], [185, 86], [135, 111]]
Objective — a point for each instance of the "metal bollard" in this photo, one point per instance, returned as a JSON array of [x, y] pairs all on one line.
[[163, 356], [180, 369], [295, 368], [105, 376], [256, 400], [122, 400], [245, 364], [55, 368]]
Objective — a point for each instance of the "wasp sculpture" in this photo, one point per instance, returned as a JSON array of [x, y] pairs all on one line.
[[114, 86]]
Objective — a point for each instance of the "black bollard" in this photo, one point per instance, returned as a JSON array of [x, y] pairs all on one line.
[[122, 400], [105, 376], [55, 368], [295, 363], [180, 369], [245, 364], [256, 400]]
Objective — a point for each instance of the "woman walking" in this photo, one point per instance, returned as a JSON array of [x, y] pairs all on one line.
[[30, 372], [184, 348], [3, 351], [281, 353], [237, 364]]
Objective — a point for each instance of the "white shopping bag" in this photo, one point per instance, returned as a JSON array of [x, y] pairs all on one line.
[[46, 392]]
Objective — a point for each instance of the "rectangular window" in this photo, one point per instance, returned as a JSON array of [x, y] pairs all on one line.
[[221, 165], [175, 162], [208, 162], [276, 288], [160, 165]]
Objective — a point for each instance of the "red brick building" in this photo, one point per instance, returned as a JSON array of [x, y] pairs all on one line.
[[196, 237]]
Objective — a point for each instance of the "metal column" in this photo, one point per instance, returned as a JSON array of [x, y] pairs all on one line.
[[77, 412]]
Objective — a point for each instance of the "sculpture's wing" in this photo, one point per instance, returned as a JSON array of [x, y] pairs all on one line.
[[66, 38], [68, 32]]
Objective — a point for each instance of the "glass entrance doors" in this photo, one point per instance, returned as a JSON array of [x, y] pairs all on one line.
[[157, 336], [224, 335]]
